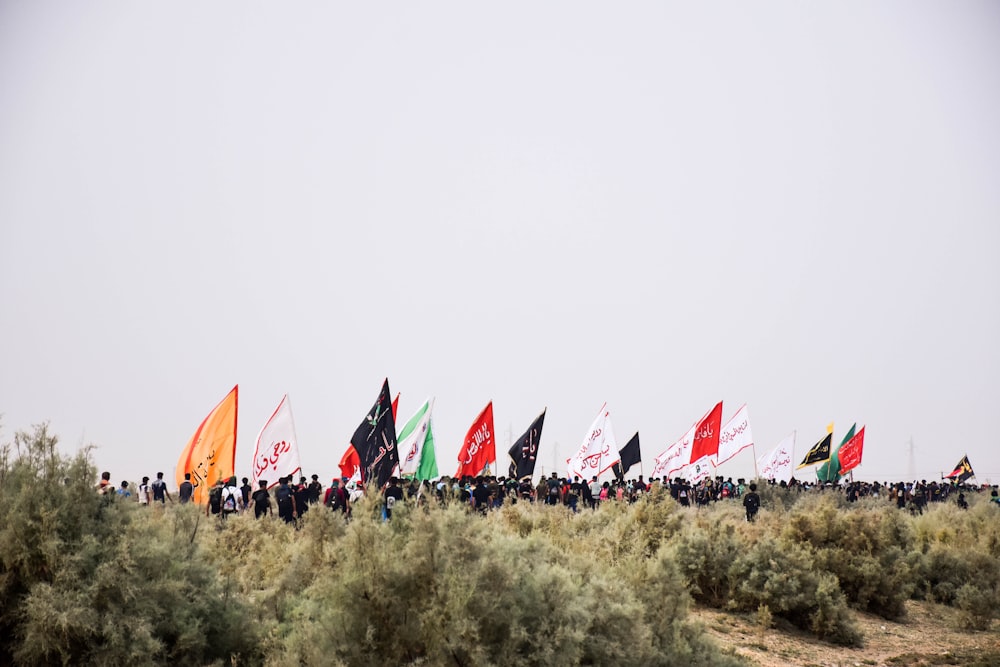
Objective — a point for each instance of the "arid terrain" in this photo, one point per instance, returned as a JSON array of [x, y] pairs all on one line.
[[925, 637]]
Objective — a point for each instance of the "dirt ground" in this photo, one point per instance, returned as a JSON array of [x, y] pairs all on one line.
[[924, 638]]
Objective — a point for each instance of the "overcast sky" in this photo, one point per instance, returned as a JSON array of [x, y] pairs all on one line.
[[658, 205]]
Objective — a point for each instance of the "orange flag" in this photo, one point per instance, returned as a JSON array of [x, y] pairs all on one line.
[[211, 452]]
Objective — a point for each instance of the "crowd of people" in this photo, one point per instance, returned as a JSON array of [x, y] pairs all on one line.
[[290, 500]]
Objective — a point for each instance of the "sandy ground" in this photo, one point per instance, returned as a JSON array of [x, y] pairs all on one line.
[[925, 637]]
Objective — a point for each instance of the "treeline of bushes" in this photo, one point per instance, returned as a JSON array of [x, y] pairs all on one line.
[[86, 579]]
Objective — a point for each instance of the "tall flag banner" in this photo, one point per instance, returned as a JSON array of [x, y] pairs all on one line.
[[211, 452], [736, 436], [375, 441], [428, 468], [820, 452], [479, 449], [599, 450], [350, 464], [777, 464], [828, 471], [412, 441], [851, 451], [277, 451], [962, 471], [706, 434], [674, 457], [629, 456], [524, 452]]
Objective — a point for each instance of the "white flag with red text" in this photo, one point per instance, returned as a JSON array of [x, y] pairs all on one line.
[[736, 436], [675, 457], [599, 450], [777, 464], [277, 453]]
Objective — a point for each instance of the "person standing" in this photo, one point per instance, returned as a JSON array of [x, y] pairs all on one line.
[[285, 498], [143, 495], [186, 490], [245, 492], [159, 488], [261, 500], [231, 499], [751, 501], [393, 494]]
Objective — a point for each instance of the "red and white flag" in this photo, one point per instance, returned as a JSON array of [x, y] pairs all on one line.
[[479, 449], [736, 436], [277, 453], [706, 434], [850, 452], [599, 450], [777, 464]]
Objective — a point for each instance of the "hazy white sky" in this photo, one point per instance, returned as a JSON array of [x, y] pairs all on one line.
[[658, 205]]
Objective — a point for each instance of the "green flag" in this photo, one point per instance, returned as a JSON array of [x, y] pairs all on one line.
[[415, 459], [830, 471], [428, 459]]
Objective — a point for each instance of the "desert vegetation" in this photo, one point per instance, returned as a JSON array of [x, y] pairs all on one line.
[[89, 579]]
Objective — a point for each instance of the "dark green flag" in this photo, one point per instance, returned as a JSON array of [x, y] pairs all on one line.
[[830, 471]]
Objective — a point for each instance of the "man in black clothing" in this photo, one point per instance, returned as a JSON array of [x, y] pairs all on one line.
[[751, 502], [261, 500], [285, 498], [186, 489], [481, 495], [393, 494], [315, 490], [245, 491]]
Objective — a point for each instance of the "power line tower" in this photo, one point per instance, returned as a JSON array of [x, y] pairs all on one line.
[[911, 461]]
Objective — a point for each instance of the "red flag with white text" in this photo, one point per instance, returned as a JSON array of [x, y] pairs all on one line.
[[850, 452], [479, 448], [706, 434]]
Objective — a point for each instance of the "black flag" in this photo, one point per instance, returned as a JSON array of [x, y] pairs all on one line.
[[962, 471], [820, 452], [375, 441], [524, 452], [629, 456]]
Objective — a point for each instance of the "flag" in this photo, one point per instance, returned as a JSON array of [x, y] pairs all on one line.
[[820, 452], [736, 436], [828, 471], [413, 440], [350, 464], [962, 471], [698, 470], [479, 448], [211, 452], [850, 452], [599, 450], [674, 457], [629, 456], [706, 435], [777, 464], [524, 452], [375, 441], [428, 468], [277, 452]]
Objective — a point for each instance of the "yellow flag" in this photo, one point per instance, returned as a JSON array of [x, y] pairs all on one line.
[[211, 452]]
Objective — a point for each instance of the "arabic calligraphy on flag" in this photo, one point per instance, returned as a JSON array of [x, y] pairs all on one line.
[[599, 450], [277, 451]]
